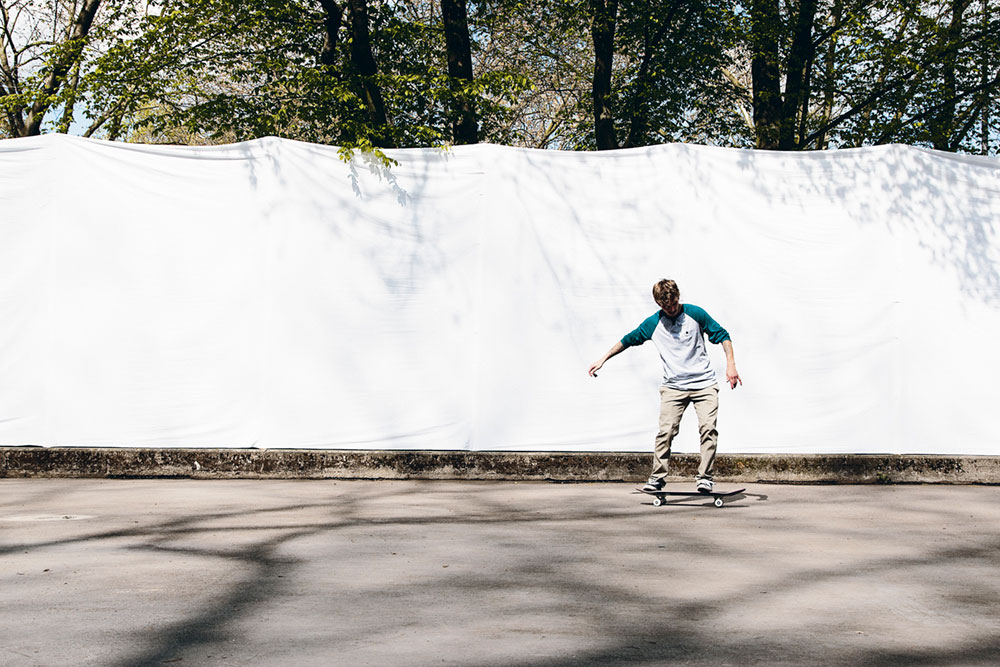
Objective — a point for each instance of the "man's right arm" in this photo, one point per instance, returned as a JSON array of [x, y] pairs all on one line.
[[615, 349], [636, 337]]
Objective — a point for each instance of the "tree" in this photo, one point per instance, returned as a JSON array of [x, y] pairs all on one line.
[[604, 17], [364, 64], [868, 71], [547, 42], [670, 85], [671, 53], [572, 74], [357, 73], [654, 69], [459, 47], [39, 68]]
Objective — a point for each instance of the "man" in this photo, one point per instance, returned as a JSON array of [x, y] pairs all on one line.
[[678, 331]]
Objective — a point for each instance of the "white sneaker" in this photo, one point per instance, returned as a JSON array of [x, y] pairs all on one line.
[[654, 484], [705, 485]]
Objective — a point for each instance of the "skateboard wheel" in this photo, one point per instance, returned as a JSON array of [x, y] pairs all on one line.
[[718, 502], [657, 502]]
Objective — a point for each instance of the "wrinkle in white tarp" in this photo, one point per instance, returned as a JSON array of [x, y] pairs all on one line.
[[268, 294]]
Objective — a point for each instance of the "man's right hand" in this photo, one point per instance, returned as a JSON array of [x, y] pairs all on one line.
[[615, 349]]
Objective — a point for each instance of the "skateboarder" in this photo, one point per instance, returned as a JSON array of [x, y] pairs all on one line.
[[678, 331]]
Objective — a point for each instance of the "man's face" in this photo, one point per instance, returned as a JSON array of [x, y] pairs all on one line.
[[672, 309]]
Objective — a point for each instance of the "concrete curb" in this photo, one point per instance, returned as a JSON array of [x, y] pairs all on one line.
[[568, 467]]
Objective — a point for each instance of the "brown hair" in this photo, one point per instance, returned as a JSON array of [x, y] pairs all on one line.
[[666, 293]]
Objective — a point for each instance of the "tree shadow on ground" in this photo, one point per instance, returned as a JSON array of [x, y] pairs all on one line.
[[532, 585]]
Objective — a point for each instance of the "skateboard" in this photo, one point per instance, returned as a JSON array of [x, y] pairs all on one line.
[[660, 497]]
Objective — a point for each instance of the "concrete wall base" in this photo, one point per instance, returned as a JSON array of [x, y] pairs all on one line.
[[567, 467]]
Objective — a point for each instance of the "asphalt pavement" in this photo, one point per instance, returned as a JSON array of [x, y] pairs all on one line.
[[297, 572]]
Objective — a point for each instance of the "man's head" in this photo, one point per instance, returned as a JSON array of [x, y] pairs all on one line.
[[667, 297]]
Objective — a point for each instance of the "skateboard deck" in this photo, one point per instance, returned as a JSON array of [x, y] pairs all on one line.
[[659, 497]]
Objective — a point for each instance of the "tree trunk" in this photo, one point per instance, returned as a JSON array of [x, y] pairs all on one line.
[[333, 19], [796, 82], [830, 70], [984, 113], [800, 137], [116, 127], [880, 81], [605, 16], [15, 119], [364, 63], [465, 128], [943, 122], [9, 82], [638, 106], [73, 87], [57, 75], [765, 24]]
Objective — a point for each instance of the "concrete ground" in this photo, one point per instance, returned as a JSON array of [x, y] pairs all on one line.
[[280, 572]]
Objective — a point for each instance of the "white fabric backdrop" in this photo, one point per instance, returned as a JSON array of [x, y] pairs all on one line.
[[268, 294]]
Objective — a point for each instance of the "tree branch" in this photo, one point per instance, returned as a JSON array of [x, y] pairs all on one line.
[[972, 116], [885, 89], [57, 76], [994, 82]]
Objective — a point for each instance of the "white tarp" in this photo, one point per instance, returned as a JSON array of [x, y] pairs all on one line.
[[268, 294]]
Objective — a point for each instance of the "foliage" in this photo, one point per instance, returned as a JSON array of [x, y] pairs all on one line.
[[846, 72], [670, 86], [47, 51], [222, 67], [667, 80], [881, 71], [913, 49]]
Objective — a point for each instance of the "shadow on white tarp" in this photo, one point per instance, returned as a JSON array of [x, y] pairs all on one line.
[[269, 294]]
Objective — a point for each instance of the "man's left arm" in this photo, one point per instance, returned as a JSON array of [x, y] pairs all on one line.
[[716, 334], [731, 375]]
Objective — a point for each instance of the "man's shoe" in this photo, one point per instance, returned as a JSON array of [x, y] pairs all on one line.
[[653, 485], [705, 485]]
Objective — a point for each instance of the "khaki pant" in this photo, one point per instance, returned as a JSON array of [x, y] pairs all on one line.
[[673, 402]]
